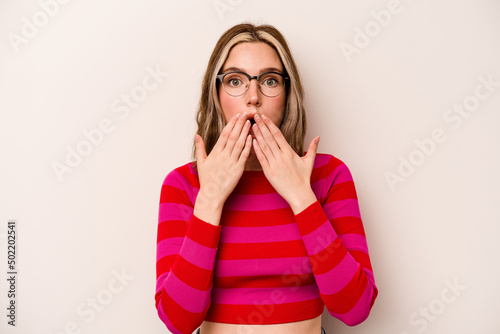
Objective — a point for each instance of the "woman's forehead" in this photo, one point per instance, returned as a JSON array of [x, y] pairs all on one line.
[[255, 57]]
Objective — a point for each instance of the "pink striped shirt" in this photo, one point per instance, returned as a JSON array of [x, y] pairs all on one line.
[[263, 264]]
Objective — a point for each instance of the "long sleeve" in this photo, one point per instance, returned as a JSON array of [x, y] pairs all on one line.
[[185, 257], [335, 241]]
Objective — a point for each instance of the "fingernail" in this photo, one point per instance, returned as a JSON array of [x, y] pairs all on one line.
[[244, 115], [317, 140], [257, 117], [237, 115]]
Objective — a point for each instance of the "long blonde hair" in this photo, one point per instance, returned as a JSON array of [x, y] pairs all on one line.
[[210, 118]]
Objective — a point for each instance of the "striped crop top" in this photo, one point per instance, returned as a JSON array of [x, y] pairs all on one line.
[[262, 264]]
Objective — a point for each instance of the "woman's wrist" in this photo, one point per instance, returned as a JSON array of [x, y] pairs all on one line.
[[302, 201], [208, 209]]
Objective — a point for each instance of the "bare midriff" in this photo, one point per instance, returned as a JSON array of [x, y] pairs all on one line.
[[310, 326]]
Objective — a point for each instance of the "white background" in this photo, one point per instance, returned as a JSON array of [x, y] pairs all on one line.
[[437, 224]]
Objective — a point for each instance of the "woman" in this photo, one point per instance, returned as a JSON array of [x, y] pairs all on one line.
[[256, 236]]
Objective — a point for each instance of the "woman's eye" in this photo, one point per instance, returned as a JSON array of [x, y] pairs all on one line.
[[271, 82], [234, 82]]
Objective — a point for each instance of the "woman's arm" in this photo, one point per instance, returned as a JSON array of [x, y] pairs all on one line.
[[186, 250], [331, 228], [188, 226], [334, 237]]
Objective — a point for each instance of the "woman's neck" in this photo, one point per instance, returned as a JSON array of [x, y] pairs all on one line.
[[252, 163]]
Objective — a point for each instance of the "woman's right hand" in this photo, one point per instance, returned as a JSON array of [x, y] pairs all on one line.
[[220, 171]]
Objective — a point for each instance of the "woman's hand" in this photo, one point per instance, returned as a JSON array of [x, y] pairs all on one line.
[[220, 171], [289, 174]]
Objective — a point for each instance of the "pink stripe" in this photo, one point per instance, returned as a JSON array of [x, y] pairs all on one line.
[[263, 296], [255, 202], [168, 247], [343, 208], [321, 159], [160, 281], [320, 238], [360, 311], [174, 211], [338, 277], [166, 321], [189, 298], [353, 241], [369, 273], [340, 174], [173, 179], [234, 234], [261, 267], [199, 255]]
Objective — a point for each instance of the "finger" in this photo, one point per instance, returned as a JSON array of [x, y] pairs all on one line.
[[240, 144], [246, 150], [267, 135], [311, 151], [236, 132], [224, 135], [276, 132], [263, 146], [201, 153], [264, 163]]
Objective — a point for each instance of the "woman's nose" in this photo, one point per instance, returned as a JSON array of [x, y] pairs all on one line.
[[253, 93]]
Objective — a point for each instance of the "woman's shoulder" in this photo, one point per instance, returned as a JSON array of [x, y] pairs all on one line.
[[185, 173], [326, 159]]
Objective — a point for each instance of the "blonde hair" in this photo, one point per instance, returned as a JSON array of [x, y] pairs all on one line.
[[210, 118]]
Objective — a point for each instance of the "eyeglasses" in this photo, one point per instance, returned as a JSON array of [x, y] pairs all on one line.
[[236, 83]]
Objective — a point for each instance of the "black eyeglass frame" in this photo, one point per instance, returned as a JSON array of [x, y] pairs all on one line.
[[221, 77]]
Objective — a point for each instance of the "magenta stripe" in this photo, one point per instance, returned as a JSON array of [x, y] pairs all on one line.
[[241, 202], [164, 318], [199, 255], [342, 208], [321, 160], [338, 277], [341, 174], [160, 281], [189, 298], [174, 211], [360, 311], [177, 180], [261, 267], [235, 234], [353, 241], [173, 179], [168, 246], [369, 273], [256, 296], [320, 238]]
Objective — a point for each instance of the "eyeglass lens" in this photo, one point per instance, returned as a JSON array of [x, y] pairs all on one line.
[[270, 84]]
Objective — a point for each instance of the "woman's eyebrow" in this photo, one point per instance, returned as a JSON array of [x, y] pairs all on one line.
[[231, 69], [267, 69]]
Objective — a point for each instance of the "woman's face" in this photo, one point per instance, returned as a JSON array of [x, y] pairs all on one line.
[[253, 58]]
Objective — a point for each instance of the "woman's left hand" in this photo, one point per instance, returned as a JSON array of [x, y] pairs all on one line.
[[288, 173]]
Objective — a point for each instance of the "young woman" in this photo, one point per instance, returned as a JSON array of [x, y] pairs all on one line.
[[257, 236]]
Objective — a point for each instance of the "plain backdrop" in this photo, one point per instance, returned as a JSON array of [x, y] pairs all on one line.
[[97, 103]]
